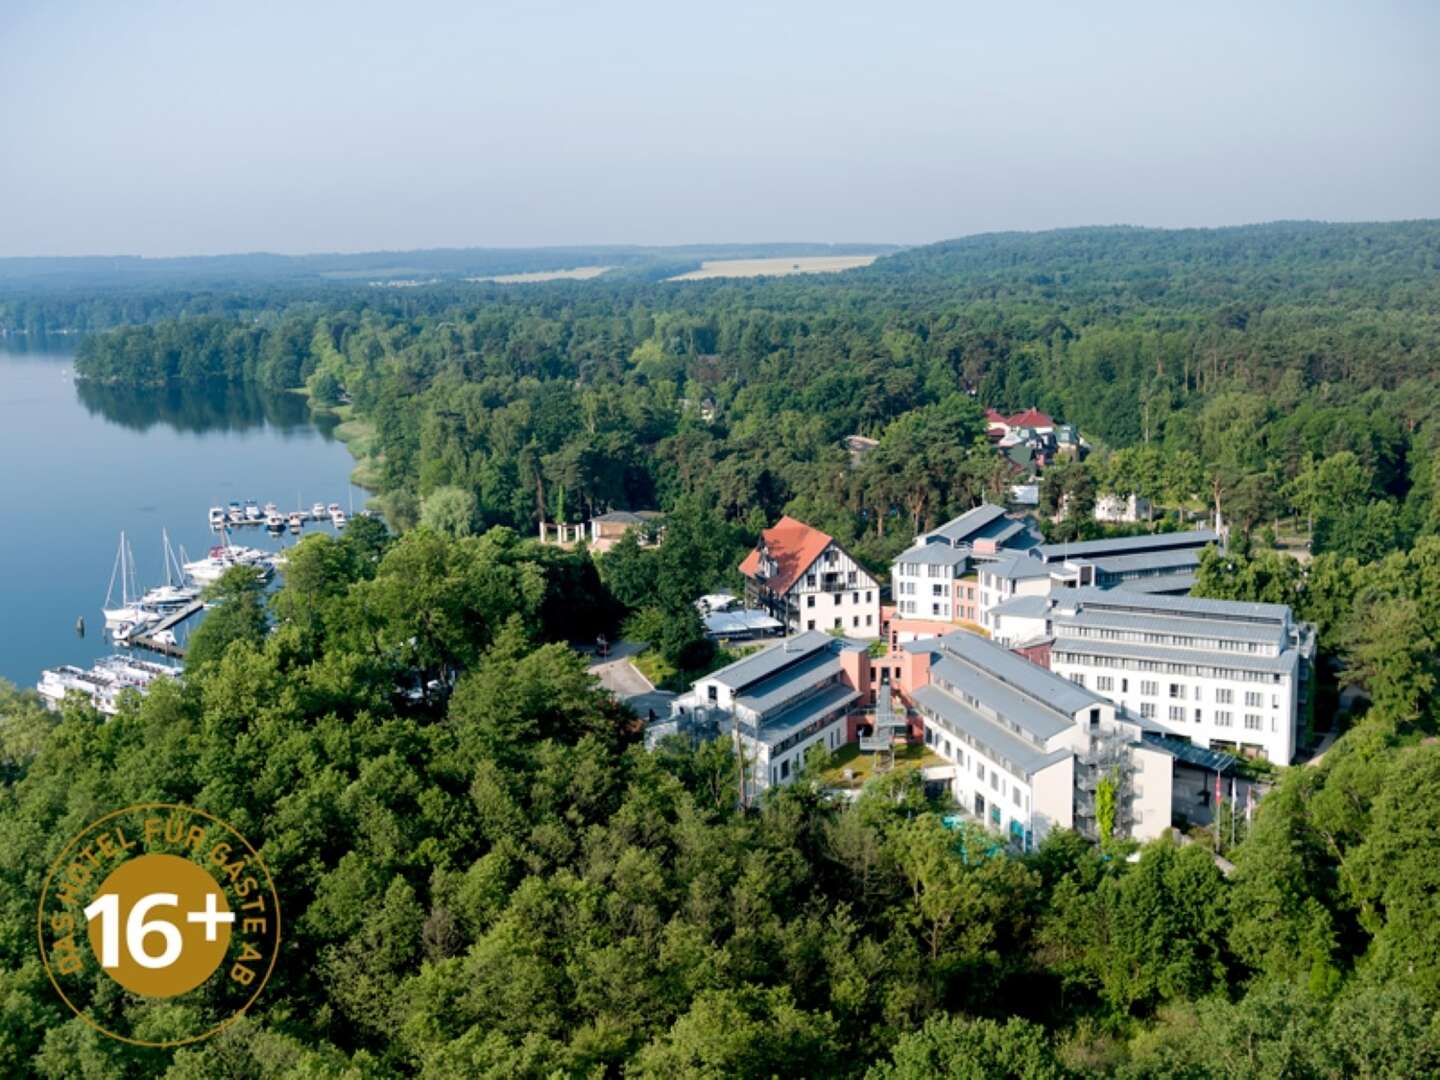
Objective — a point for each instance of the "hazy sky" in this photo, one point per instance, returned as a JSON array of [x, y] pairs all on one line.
[[158, 128]]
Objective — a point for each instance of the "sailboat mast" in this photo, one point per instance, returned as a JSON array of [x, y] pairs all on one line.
[[110, 592]]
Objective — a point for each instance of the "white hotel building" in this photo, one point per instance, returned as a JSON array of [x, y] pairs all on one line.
[[1030, 749], [1225, 675]]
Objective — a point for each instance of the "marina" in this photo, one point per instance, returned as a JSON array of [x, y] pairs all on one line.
[[184, 449], [155, 619]]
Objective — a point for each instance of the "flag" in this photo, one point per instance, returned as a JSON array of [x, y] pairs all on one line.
[[1217, 788]]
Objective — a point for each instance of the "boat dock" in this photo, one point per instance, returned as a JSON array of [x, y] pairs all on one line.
[[147, 640]]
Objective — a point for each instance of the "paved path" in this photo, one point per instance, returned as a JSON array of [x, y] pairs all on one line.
[[628, 683]]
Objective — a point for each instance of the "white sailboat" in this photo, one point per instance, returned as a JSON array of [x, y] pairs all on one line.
[[129, 612], [177, 591]]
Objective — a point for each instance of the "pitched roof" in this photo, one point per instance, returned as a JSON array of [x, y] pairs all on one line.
[[959, 529], [793, 545], [1127, 545], [1031, 417]]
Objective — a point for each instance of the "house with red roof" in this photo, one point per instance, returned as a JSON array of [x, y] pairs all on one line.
[[805, 579]]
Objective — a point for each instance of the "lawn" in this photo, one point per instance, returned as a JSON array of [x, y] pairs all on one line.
[[917, 756]]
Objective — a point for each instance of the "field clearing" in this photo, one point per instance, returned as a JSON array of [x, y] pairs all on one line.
[[803, 264], [578, 273]]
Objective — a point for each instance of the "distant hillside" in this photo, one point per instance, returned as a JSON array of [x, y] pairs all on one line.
[[1397, 262], [209, 271]]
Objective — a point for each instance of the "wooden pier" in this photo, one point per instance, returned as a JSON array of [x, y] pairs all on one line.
[[174, 619]]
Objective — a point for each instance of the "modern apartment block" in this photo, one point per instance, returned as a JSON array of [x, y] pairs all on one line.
[[1031, 749], [802, 577], [1026, 751], [1224, 674], [777, 703], [937, 576]]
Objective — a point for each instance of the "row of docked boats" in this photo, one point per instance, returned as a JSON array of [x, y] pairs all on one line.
[[138, 610], [103, 683], [273, 518]]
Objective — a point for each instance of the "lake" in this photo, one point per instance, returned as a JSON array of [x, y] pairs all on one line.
[[80, 462]]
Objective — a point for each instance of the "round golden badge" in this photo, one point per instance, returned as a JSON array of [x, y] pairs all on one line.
[[171, 904]]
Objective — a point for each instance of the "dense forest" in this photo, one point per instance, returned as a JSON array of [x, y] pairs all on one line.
[[500, 882], [485, 873], [1283, 371]]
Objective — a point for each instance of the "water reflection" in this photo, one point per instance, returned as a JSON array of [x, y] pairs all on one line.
[[195, 408]]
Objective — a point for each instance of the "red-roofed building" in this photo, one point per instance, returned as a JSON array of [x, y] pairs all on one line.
[[1032, 418], [808, 581]]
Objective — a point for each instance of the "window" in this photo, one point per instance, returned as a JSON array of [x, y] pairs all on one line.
[[1148, 688], [980, 769], [1077, 679], [837, 597], [1252, 722], [937, 590], [979, 805], [1147, 710], [1199, 717], [1222, 718], [1104, 682], [810, 600], [1254, 699], [809, 581], [1015, 794], [1177, 691], [1177, 712], [711, 693], [934, 609], [850, 578], [839, 623], [1124, 686], [1224, 696], [855, 620], [869, 619], [810, 624], [869, 596]]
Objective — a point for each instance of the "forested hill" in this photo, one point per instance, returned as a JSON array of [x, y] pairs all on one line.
[[41, 295], [1385, 263], [1224, 363]]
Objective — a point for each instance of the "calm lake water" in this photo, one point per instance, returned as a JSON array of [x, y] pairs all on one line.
[[80, 462]]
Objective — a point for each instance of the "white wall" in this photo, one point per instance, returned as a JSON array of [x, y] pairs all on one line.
[[1153, 778], [857, 606], [1278, 710]]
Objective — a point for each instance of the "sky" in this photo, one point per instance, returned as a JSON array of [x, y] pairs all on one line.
[[202, 127]]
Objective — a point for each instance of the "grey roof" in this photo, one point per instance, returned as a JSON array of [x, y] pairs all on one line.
[[1127, 545], [760, 665], [1030, 716], [748, 621], [960, 529], [797, 717], [789, 682], [1186, 751], [628, 517], [1174, 584], [1018, 568], [934, 552], [1170, 654], [1174, 625], [1029, 607], [1146, 560], [1025, 758], [1195, 606]]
